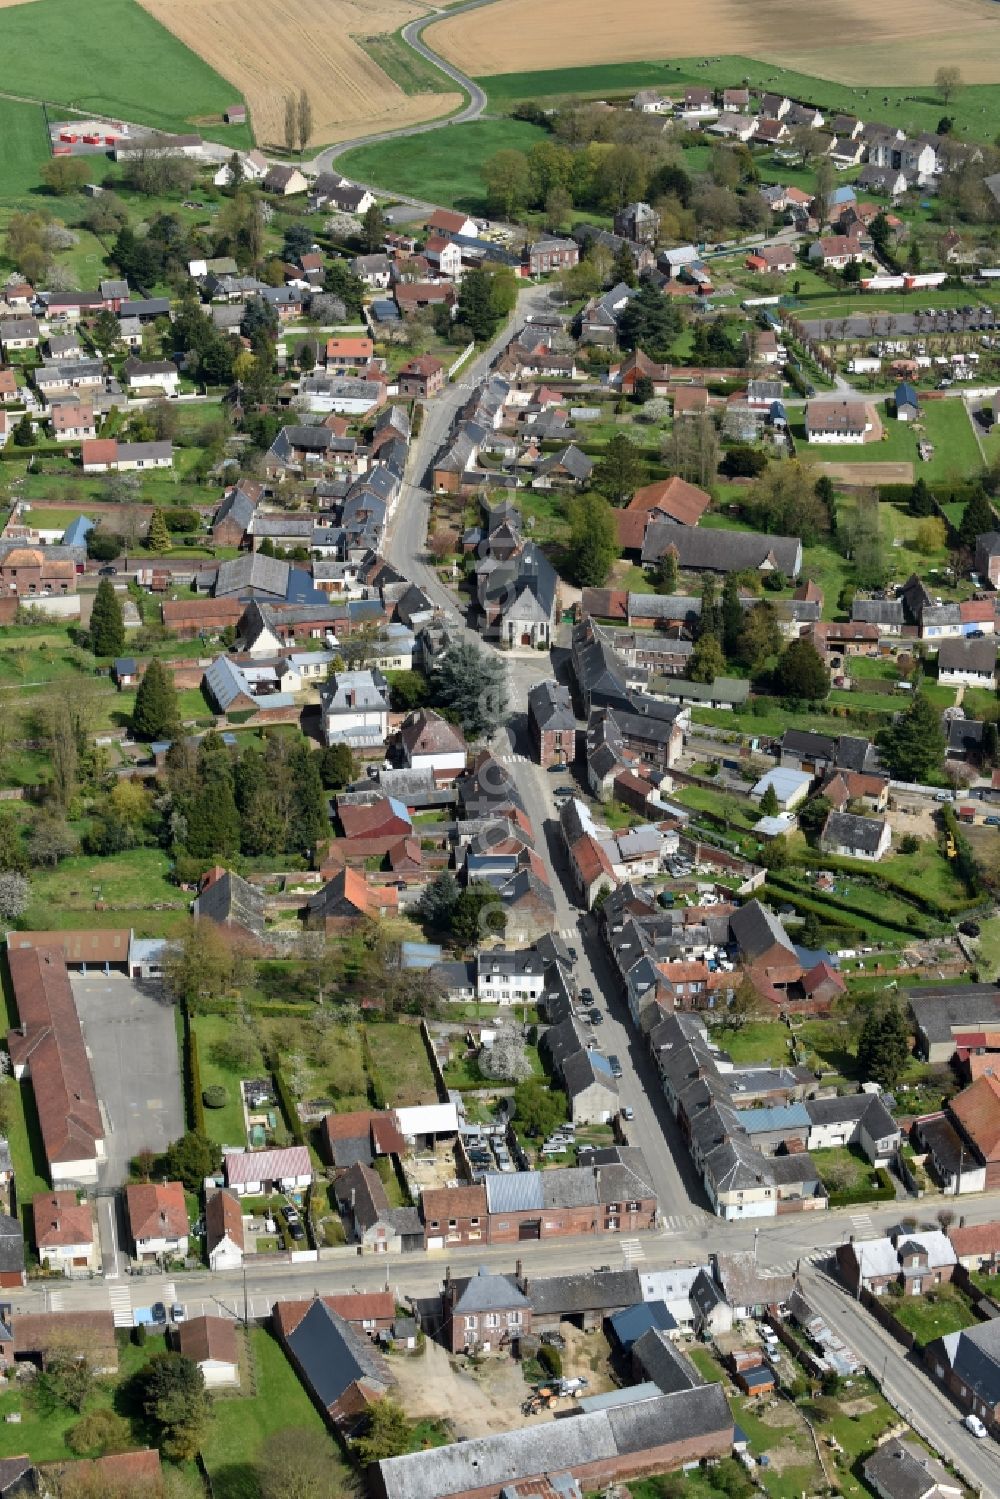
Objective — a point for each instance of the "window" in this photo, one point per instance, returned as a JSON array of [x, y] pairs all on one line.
[[473, 1222], [470, 1324], [452, 1223], [435, 1224], [491, 1319]]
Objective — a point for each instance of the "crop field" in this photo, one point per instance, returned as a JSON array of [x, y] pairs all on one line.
[[442, 170], [25, 146], [110, 56], [311, 45], [898, 41]]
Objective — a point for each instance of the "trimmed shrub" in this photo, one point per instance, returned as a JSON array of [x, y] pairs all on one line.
[[214, 1097], [551, 1361]]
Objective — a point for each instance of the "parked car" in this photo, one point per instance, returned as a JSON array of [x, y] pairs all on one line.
[[972, 1423], [294, 1224], [564, 791], [992, 822], [158, 1312], [107, 572], [615, 1065], [178, 1313], [587, 994], [595, 1017], [628, 1112]]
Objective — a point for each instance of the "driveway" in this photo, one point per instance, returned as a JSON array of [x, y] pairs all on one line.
[[134, 1055]]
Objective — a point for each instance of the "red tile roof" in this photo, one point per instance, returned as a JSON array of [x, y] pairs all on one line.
[[157, 1210], [683, 502], [977, 1110], [99, 450], [60, 1220], [205, 1338], [977, 1238], [49, 1042], [355, 1307], [223, 1215]]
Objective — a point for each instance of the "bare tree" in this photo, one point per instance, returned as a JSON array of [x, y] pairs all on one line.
[[291, 122], [948, 81]]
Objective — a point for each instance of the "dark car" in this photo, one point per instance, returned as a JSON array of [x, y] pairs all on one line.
[[615, 1065], [969, 928], [294, 1224], [158, 1312], [573, 954], [595, 1017], [565, 791], [107, 572], [587, 994]]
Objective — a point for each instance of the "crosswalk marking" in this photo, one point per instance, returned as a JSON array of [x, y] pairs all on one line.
[[56, 1300], [120, 1298], [862, 1223], [677, 1223], [512, 760], [568, 931], [632, 1252], [169, 1293]]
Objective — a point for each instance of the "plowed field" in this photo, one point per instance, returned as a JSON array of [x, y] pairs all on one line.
[[897, 42], [267, 53]]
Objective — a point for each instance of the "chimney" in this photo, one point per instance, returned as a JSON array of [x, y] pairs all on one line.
[[447, 1275]]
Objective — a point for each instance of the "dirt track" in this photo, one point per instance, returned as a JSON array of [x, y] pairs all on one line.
[[900, 41], [868, 473]]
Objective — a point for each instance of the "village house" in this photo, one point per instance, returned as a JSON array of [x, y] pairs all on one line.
[[552, 724], [421, 378], [224, 1235], [285, 182], [338, 1365], [152, 375], [157, 1218], [210, 1343], [430, 742], [64, 1233], [840, 421], [103, 455], [254, 1173], [355, 708], [968, 663], [853, 837], [915, 1262], [483, 1313]]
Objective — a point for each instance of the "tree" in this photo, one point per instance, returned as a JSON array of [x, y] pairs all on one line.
[[760, 636], [990, 748], [298, 1464], [24, 432], [508, 182], [884, 1045], [801, 672], [914, 746], [436, 906], [155, 714], [12, 854], [538, 1107], [478, 915], [931, 536], [732, 615], [471, 686], [921, 499], [709, 616], [620, 471], [665, 573], [506, 1060], [291, 122], [769, 803], [337, 766], [173, 1394], [387, 1433], [193, 1157], [558, 207], [205, 963], [65, 174], [486, 296], [69, 1375], [50, 840], [707, 660], [623, 265], [824, 180], [593, 540], [107, 623], [158, 537], [775, 855], [744, 1005], [784, 502], [304, 119], [649, 321], [948, 81], [977, 517], [99, 1432], [812, 816], [373, 227]]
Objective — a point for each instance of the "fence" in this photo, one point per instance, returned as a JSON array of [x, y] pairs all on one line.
[[884, 1317]]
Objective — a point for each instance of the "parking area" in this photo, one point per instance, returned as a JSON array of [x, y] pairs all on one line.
[[133, 1051]]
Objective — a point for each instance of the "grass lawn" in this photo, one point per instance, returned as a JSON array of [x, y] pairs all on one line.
[[760, 1041], [443, 172], [129, 885], [25, 146], [933, 1315], [54, 50], [989, 946], [944, 423], [413, 73], [224, 1125], [331, 1068], [42, 1431], [705, 1364], [840, 1167], [403, 1066], [242, 1427]]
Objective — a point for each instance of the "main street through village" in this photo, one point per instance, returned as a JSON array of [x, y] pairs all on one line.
[[687, 1231]]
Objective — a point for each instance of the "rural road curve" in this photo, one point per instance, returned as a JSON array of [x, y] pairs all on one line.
[[412, 35]]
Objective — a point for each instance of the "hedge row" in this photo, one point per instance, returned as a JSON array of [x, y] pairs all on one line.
[[835, 903], [375, 1093], [288, 1105], [940, 910], [803, 903], [884, 1192], [192, 1078]]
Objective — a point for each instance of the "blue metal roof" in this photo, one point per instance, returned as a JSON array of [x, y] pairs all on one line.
[[400, 809], [630, 1324], [514, 1191], [419, 954], [787, 1116], [77, 531], [906, 395]]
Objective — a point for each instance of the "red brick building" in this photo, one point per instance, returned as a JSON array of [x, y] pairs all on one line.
[[483, 1313], [552, 724], [422, 378]]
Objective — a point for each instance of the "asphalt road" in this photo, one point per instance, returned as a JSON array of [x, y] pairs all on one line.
[[412, 35]]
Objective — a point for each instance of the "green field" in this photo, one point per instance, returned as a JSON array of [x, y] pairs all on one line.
[[915, 108], [413, 72], [25, 146], [441, 166], [112, 57], [241, 1428], [944, 423]]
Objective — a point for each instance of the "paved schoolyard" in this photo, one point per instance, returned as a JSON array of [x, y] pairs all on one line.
[[133, 1051]]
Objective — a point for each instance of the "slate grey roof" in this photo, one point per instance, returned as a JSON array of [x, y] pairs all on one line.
[[11, 1245], [583, 1070], [555, 1447], [721, 551], [878, 611], [333, 1357], [269, 574], [594, 1291], [849, 831], [903, 1470], [975, 1356], [232, 898], [756, 930], [978, 656], [551, 706], [664, 1364], [487, 1292], [939, 1011]]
